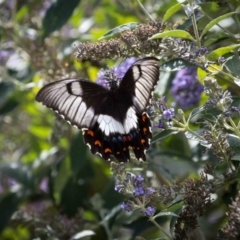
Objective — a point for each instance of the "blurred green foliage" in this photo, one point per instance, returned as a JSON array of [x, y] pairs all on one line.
[[51, 186]]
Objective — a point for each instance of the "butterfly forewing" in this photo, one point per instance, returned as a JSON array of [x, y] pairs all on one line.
[[74, 99], [112, 120], [140, 81]]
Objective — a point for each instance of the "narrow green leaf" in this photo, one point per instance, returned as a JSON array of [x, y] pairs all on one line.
[[57, 15], [214, 22], [214, 55], [83, 234], [171, 11], [164, 134], [8, 205], [174, 33], [119, 29], [166, 214]]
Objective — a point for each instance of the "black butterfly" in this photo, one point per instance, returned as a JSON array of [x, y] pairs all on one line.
[[112, 120]]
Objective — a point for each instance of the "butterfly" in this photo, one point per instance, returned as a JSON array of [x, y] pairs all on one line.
[[113, 119]]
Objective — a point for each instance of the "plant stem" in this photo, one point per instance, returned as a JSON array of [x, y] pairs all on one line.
[[142, 206], [144, 9]]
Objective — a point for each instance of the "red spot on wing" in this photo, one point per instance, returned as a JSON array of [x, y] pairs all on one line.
[[145, 130], [107, 150], [144, 117], [97, 142], [90, 132]]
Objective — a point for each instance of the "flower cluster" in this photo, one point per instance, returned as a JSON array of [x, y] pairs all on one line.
[[141, 196], [117, 72], [197, 195], [232, 230], [185, 88], [185, 50], [218, 98], [129, 44], [164, 114]]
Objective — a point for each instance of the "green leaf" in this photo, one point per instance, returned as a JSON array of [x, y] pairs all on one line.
[[119, 29], [8, 205], [174, 33], [6, 89], [232, 64], [170, 167], [163, 134], [165, 214], [214, 55], [80, 164], [175, 65], [9, 106], [214, 22], [234, 142], [171, 11], [57, 15], [75, 195], [196, 112]]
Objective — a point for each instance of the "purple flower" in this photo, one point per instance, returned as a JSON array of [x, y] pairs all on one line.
[[161, 124], [168, 113], [149, 191], [130, 176], [234, 109], [139, 191], [127, 206], [122, 69], [101, 78], [118, 72], [45, 6], [138, 180], [44, 185], [185, 87], [118, 188], [150, 211], [4, 55]]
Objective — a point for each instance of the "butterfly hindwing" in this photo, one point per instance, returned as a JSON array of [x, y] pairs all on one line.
[[112, 120], [117, 144]]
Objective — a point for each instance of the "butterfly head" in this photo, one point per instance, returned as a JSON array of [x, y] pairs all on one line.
[[111, 80]]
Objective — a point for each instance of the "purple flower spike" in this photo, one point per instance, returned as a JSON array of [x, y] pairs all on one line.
[[122, 69], [185, 87]]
